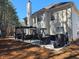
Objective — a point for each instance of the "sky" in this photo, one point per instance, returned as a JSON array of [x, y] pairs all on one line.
[[21, 9]]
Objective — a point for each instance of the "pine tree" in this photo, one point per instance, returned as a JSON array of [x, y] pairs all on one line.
[[8, 17]]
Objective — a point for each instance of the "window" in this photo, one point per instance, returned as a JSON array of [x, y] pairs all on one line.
[[60, 30], [39, 18], [52, 17]]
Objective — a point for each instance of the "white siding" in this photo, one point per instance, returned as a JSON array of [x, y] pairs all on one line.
[[75, 24]]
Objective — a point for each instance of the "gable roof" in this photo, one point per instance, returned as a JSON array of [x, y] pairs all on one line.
[[58, 6], [55, 5]]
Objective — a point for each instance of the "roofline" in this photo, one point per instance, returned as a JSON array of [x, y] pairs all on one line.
[[69, 4], [74, 9]]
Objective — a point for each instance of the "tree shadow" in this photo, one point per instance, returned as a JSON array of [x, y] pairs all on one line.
[[7, 46], [72, 57], [27, 55]]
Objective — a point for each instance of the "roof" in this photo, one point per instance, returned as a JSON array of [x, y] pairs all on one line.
[[60, 5]]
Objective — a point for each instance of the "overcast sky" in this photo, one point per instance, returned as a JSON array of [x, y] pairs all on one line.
[[20, 5]]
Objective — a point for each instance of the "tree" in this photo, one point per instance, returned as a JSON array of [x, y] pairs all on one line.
[[8, 17]]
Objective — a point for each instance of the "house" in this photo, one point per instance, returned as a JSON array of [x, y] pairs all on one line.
[[60, 18]]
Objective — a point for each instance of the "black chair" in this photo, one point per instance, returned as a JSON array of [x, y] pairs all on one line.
[[59, 42], [45, 40], [52, 37], [19, 36]]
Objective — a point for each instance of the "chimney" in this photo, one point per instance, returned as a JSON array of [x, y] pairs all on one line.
[[29, 11]]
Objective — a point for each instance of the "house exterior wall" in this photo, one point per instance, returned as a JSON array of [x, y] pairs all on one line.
[[60, 24], [42, 21], [75, 25], [46, 21], [64, 21]]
